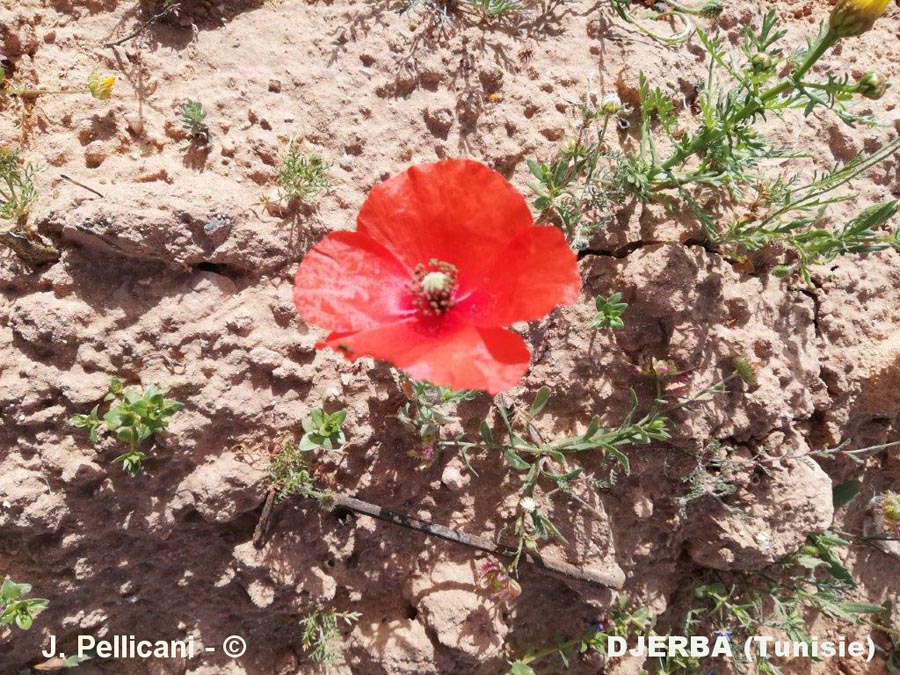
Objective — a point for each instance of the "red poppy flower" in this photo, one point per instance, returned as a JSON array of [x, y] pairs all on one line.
[[444, 258]]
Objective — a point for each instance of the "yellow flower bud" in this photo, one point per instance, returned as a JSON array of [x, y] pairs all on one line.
[[890, 508], [100, 87], [854, 17]]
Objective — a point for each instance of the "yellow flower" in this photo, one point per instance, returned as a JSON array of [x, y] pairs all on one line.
[[101, 87], [890, 508], [854, 17]]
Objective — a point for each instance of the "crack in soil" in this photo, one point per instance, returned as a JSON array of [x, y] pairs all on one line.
[[817, 306], [629, 248], [621, 252]]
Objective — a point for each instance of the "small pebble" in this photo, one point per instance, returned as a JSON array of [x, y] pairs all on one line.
[[453, 478], [94, 154], [135, 124]]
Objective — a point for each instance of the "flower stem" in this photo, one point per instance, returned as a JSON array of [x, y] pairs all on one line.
[[826, 42], [563, 646], [756, 104]]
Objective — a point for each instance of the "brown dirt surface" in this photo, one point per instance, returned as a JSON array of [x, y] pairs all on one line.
[[181, 274]]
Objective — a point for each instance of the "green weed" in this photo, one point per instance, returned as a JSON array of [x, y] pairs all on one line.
[[553, 463], [134, 415], [17, 191], [733, 606], [322, 430], [609, 312], [193, 119], [725, 154], [428, 407], [290, 474], [15, 608], [301, 176], [320, 631]]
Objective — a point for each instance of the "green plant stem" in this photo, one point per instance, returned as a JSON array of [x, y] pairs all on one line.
[[696, 11], [826, 454], [676, 180], [816, 192], [556, 649], [619, 6], [826, 42], [754, 105]]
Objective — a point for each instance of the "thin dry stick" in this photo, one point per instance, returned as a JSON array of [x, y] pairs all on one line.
[[547, 565], [144, 26], [265, 520], [81, 185]]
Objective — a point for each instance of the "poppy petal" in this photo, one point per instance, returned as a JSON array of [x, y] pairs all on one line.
[[349, 282], [535, 274], [457, 211], [446, 353]]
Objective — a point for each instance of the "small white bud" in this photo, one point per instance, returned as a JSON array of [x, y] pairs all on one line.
[[528, 505], [611, 104]]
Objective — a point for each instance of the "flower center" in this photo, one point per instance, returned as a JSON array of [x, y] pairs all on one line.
[[435, 281], [433, 287]]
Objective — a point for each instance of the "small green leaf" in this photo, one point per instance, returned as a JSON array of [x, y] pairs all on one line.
[[862, 608], [540, 400], [593, 428], [114, 417], [809, 562], [171, 407], [307, 443], [515, 461], [10, 591], [845, 493], [520, 668], [562, 650], [486, 434], [565, 478], [546, 525]]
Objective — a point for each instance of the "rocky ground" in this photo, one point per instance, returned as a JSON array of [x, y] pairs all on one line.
[[175, 270]]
